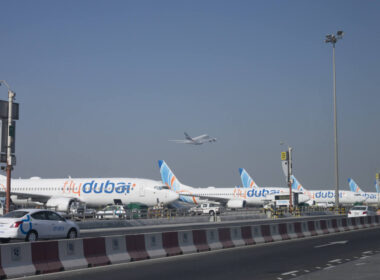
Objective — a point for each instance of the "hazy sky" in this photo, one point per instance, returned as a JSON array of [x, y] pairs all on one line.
[[103, 86]]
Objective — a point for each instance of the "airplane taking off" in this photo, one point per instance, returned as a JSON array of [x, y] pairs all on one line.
[[268, 192], [199, 140], [369, 197], [95, 192], [231, 197], [326, 197]]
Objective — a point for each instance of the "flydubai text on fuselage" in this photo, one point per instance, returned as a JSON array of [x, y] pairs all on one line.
[[369, 197], [94, 192], [233, 197], [327, 196]]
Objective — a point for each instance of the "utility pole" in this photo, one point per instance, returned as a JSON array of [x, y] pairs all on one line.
[[332, 38], [286, 158], [11, 96]]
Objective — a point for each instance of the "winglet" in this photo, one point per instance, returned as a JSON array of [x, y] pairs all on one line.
[[377, 187], [246, 179]]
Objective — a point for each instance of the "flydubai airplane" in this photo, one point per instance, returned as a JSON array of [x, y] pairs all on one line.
[[61, 193], [369, 197], [199, 140], [268, 192], [231, 197], [326, 197]]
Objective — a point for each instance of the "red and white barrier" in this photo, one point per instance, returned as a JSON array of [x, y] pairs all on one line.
[[25, 259]]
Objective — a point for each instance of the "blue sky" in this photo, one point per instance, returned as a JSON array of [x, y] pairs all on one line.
[[103, 86]]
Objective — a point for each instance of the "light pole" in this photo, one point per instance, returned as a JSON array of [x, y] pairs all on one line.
[[11, 96], [332, 38], [286, 158]]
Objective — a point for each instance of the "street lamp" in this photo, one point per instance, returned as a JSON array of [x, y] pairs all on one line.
[[11, 96], [286, 158], [332, 38]]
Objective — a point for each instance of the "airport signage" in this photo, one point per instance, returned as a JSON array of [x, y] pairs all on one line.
[[4, 110], [4, 136], [284, 155]]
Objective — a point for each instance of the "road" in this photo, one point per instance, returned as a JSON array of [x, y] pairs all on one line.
[[282, 260]]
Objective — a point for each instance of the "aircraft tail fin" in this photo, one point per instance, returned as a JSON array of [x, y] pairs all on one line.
[[377, 187], [187, 136], [168, 177], [246, 179], [353, 186], [296, 186]]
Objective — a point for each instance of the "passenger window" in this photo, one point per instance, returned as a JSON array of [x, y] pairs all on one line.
[[53, 216], [39, 215]]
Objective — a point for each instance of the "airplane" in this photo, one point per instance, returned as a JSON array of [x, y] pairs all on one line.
[[199, 140], [268, 192], [326, 197], [231, 197], [370, 197], [63, 193]]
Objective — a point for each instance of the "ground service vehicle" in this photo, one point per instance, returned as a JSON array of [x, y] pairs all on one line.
[[205, 208], [34, 224], [111, 212]]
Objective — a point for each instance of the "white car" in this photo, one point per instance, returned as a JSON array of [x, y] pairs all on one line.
[[361, 211], [111, 212], [34, 224]]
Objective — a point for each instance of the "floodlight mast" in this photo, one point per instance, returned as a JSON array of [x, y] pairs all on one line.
[[11, 96], [331, 38]]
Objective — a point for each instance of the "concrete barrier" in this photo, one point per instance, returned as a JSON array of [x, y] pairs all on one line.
[[225, 238], [236, 236], [116, 249], [291, 230], [213, 239], [71, 254], [153, 245], [200, 240], [300, 229], [170, 243], [136, 247], [16, 260], [45, 257], [95, 251], [185, 241], [275, 232], [311, 228], [266, 233], [246, 234], [256, 234]]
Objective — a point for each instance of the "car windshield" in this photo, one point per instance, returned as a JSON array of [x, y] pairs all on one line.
[[15, 214], [359, 208]]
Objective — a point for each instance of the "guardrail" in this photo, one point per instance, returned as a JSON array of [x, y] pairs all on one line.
[[25, 259]]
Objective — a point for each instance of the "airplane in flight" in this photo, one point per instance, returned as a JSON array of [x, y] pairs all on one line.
[[236, 197], [63, 193], [268, 192], [370, 197], [326, 197], [199, 140]]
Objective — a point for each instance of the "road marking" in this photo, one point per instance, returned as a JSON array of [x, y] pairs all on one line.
[[356, 257], [279, 278], [343, 242], [359, 263], [336, 260], [348, 260], [367, 252], [364, 257], [290, 272], [331, 266], [318, 267], [307, 271]]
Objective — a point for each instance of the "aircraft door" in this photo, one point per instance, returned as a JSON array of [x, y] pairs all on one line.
[[142, 190]]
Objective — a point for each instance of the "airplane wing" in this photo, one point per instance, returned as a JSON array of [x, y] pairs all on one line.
[[182, 141], [208, 197]]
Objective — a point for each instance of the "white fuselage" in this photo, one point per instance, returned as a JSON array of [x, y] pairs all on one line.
[[328, 197], [93, 191], [251, 196]]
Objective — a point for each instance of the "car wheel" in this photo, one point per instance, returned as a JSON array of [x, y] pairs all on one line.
[[31, 236], [72, 234], [212, 213], [5, 240]]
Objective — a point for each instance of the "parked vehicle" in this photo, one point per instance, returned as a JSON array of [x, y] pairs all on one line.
[[205, 208], [34, 224], [361, 211], [111, 212]]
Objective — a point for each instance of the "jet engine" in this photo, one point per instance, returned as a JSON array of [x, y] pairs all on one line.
[[61, 204], [236, 203]]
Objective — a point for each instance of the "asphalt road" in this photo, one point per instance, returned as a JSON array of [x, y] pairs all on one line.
[[282, 260]]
